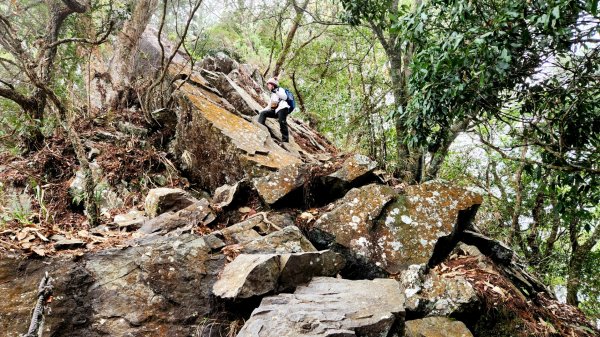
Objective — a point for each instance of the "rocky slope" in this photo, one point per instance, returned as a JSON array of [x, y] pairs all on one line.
[[287, 240]]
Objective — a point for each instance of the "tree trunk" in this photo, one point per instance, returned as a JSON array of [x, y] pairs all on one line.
[[575, 267], [128, 39], [515, 230], [439, 156], [290, 38]]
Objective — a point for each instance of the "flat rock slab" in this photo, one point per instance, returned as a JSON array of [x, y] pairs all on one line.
[[436, 327], [330, 307], [69, 244], [288, 240], [131, 220]]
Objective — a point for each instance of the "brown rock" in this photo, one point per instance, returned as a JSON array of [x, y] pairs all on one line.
[[238, 148], [436, 327]]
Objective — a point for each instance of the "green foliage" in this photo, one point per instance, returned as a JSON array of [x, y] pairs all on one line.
[[468, 54]]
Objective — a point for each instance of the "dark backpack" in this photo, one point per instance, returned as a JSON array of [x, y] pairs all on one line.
[[290, 100]]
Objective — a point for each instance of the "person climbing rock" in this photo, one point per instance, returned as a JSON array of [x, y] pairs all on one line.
[[280, 106]]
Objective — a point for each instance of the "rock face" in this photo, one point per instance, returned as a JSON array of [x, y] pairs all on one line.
[[258, 274], [159, 288], [161, 200], [395, 230], [436, 327], [331, 307]]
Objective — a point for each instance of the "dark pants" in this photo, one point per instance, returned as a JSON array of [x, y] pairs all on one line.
[[281, 115]]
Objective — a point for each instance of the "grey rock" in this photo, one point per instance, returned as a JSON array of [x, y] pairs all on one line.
[[354, 167], [69, 244], [132, 129], [162, 199], [287, 240], [275, 186], [300, 268], [225, 194], [395, 230], [437, 294], [331, 307], [494, 249], [131, 220], [198, 213], [160, 287], [248, 275]]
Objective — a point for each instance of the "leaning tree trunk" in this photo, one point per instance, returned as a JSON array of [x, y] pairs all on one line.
[[290, 38]]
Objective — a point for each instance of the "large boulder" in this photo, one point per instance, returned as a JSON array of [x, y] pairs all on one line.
[[411, 226], [331, 307], [395, 230], [219, 62], [161, 287], [436, 327], [217, 147]]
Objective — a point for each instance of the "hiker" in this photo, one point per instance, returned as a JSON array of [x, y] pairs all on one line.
[[281, 105]]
